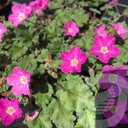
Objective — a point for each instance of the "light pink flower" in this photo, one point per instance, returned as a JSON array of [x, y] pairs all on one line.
[[9, 110], [100, 30], [32, 115], [39, 5], [19, 81], [20, 13], [111, 3], [2, 31], [73, 60], [71, 28], [120, 30], [104, 48], [113, 79], [114, 111]]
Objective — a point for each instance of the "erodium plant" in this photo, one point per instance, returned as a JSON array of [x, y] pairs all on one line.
[[63, 64]]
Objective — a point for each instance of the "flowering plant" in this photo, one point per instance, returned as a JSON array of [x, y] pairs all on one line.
[[60, 61]]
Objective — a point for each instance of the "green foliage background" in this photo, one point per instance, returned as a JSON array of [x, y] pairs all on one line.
[[65, 100]]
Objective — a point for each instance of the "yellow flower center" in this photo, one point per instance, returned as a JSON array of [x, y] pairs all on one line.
[[10, 110], [113, 78], [113, 109], [21, 16], [70, 30], [104, 49], [74, 62], [23, 79]]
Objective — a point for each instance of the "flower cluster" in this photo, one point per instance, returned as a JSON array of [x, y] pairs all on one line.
[[104, 44], [113, 79]]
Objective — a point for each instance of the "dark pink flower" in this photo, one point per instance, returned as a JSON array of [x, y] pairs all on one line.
[[114, 111], [100, 30], [71, 28], [72, 60], [111, 3], [38, 5], [2, 31], [104, 48], [9, 110], [120, 30], [113, 79], [20, 13], [19, 81]]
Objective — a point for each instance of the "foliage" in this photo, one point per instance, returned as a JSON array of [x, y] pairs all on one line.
[[66, 100]]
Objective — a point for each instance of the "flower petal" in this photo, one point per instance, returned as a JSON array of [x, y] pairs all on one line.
[[66, 56], [18, 71], [114, 90], [115, 119], [104, 81], [122, 82], [99, 41], [13, 79], [75, 51], [104, 58], [114, 51], [95, 50], [110, 40], [107, 69], [82, 58], [7, 120], [124, 120], [16, 90]]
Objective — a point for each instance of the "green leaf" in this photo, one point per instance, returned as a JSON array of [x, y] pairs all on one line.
[[43, 55], [87, 119], [95, 10], [24, 62], [42, 121], [42, 99], [60, 116], [17, 51]]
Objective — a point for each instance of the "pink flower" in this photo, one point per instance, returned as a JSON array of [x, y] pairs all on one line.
[[19, 81], [2, 31], [9, 110], [72, 60], [38, 5], [100, 30], [113, 79], [32, 115], [111, 3], [71, 28], [104, 48], [20, 13], [120, 30], [114, 111]]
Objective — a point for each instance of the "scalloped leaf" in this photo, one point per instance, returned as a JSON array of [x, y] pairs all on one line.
[[59, 115]]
